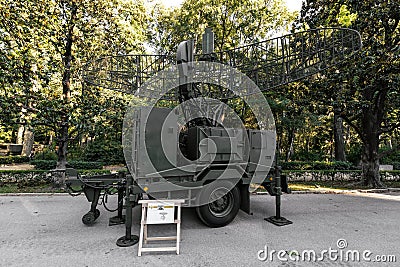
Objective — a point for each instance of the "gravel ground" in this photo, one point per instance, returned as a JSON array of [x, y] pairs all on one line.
[[47, 231]]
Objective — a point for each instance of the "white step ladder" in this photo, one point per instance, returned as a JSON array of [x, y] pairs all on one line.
[[160, 212]]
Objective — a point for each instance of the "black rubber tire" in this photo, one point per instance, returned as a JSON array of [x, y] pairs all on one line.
[[225, 212], [89, 218]]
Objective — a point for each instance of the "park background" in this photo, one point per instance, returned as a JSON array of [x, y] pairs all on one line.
[[342, 121]]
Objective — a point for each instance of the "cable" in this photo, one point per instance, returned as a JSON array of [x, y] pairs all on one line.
[[103, 201]]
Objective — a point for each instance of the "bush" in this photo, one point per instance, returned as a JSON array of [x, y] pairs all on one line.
[[87, 165], [46, 154], [106, 151], [36, 177], [316, 165], [44, 164], [396, 165], [24, 177], [335, 175], [303, 155], [354, 154], [80, 165], [342, 165], [13, 159], [391, 159]]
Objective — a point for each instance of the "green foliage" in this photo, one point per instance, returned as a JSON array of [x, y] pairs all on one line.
[[345, 18], [106, 151], [13, 159], [46, 154], [396, 165], [5, 134], [34, 36], [43, 46], [24, 178], [316, 165], [34, 172], [35, 181], [233, 22], [354, 154], [109, 152], [304, 155], [85, 165], [44, 164], [366, 89], [391, 159], [51, 164]]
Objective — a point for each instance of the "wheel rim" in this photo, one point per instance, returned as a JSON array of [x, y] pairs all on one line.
[[221, 202]]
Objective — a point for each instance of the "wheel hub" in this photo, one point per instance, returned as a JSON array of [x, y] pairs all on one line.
[[223, 203]]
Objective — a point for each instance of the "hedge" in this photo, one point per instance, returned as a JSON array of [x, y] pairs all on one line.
[[326, 165], [44, 164], [16, 176], [293, 175], [396, 165], [335, 175], [80, 165], [32, 176], [13, 159], [317, 165], [87, 165]]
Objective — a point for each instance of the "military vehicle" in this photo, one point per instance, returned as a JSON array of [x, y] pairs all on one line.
[[188, 142]]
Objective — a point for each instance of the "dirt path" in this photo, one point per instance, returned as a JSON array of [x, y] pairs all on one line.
[[17, 166]]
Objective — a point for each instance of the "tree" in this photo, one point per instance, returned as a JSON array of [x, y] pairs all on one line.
[[86, 23], [369, 97], [59, 36], [295, 118], [20, 44], [234, 22]]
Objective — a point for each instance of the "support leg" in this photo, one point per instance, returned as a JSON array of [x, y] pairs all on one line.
[[129, 239], [119, 219], [277, 219]]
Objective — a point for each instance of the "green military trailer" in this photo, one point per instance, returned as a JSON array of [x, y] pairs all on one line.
[[187, 140], [210, 167]]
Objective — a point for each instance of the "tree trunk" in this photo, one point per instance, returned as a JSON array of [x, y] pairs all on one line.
[[62, 143], [340, 154], [20, 135], [27, 143], [370, 168], [370, 158], [66, 83], [290, 151]]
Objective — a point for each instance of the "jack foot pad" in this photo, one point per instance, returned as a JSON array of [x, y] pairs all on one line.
[[116, 220], [127, 242], [278, 221]]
